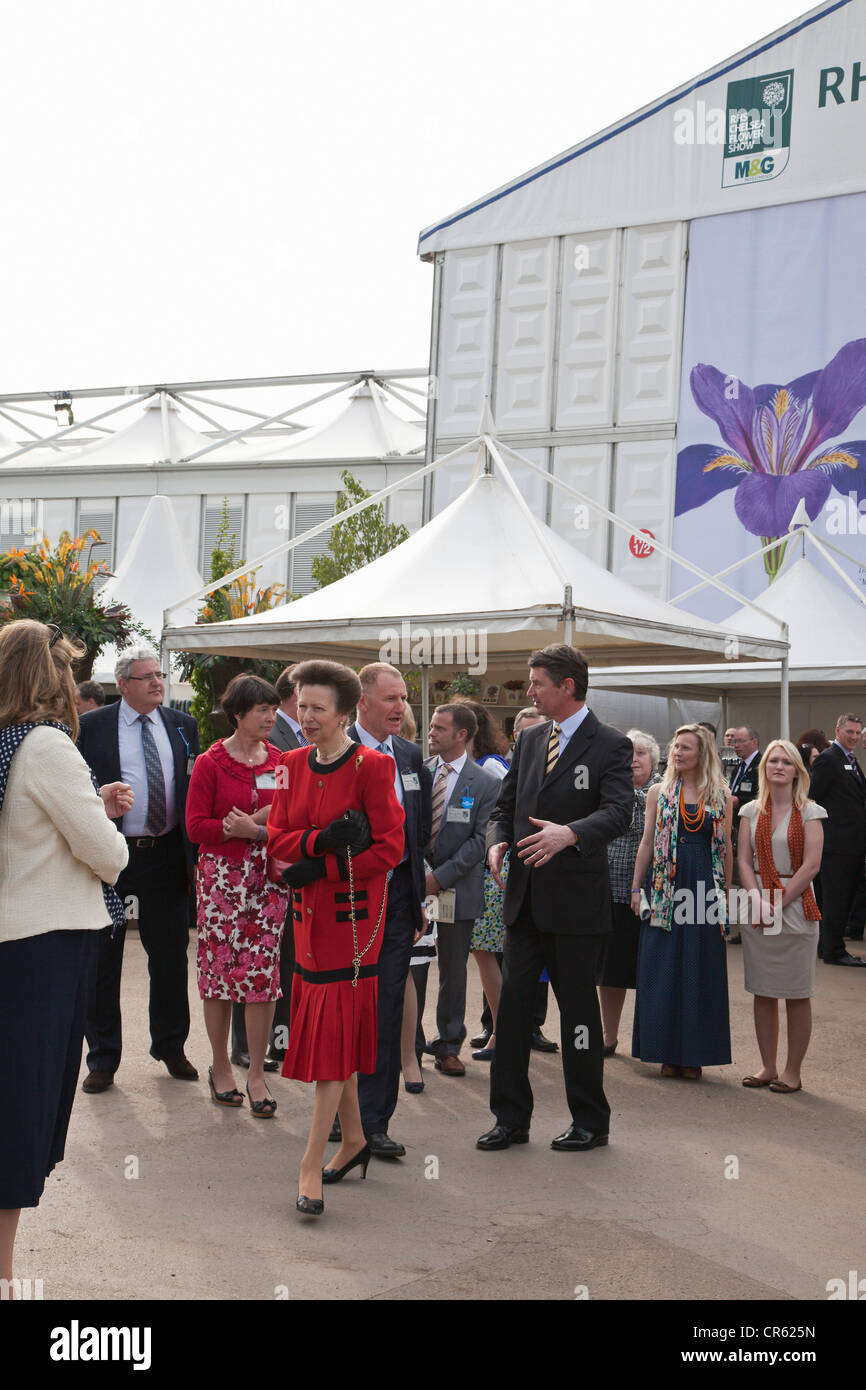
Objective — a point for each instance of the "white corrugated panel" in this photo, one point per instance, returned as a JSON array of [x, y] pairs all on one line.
[[643, 489], [466, 339], [587, 330], [651, 324], [212, 518], [309, 511], [98, 514], [526, 313], [587, 468]]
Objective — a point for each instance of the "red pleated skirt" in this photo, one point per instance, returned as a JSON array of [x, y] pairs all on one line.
[[332, 1030]]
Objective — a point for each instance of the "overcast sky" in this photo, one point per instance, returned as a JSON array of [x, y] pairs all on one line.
[[222, 188]]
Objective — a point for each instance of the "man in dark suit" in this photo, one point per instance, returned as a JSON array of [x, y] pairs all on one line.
[[838, 784], [380, 714], [463, 797], [139, 741], [568, 794], [285, 735]]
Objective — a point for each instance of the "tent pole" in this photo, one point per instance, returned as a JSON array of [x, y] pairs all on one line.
[[784, 717], [425, 710], [568, 613], [165, 662]]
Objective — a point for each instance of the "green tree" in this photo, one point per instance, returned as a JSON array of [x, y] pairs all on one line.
[[354, 543], [58, 586], [209, 675]]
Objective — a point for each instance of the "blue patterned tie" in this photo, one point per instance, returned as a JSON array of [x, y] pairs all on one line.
[[155, 780]]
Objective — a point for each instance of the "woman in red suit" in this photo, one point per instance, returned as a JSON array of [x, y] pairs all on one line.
[[336, 821]]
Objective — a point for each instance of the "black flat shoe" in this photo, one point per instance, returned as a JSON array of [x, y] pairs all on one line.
[[576, 1140], [263, 1109], [485, 1055], [501, 1137], [233, 1098], [240, 1059], [361, 1160], [481, 1039], [610, 1048], [310, 1206]]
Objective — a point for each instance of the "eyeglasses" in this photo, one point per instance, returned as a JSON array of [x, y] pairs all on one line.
[[57, 634], [151, 676]]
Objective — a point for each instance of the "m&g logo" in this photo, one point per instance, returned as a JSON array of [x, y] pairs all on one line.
[[757, 128]]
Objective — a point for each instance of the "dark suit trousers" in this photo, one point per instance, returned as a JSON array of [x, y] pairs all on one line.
[[377, 1094], [158, 879], [283, 1007], [841, 875], [571, 965], [540, 1005]]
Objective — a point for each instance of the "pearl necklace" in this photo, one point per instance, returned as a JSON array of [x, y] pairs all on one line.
[[332, 757]]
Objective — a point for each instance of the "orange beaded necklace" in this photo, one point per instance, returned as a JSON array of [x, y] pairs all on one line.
[[692, 820]]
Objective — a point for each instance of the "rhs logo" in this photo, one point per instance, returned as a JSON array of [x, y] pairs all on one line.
[[757, 128]]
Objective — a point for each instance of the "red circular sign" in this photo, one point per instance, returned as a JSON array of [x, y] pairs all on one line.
[[641, 549]]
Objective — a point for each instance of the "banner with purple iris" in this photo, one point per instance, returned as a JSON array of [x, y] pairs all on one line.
[[773, 393]]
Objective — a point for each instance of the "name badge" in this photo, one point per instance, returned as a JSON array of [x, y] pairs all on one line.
[[267, 781], [190, 762], [411, 781], [460, 814]]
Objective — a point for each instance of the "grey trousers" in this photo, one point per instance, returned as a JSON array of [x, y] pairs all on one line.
[[452, 954]]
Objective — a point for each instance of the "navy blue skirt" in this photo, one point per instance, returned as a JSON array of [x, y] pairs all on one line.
[[43, 1005], [681, 1010]]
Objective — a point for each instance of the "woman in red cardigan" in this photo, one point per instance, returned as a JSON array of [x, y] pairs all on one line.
[[240, 912], [336, 820]]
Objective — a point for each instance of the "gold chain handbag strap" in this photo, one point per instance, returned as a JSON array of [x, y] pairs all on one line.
[[359, 956]]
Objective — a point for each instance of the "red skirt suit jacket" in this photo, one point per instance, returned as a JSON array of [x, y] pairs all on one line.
[[332, 1029]]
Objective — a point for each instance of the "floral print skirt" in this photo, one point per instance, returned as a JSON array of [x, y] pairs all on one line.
[[488, 933], [240, 916]]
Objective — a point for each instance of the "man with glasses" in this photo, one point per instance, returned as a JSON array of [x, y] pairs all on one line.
[[152, 748]]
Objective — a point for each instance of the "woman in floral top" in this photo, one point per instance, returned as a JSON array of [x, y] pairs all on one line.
[[240, 912], [617, 966]]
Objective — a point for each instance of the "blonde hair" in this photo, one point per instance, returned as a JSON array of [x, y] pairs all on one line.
[[800, 786], [710, 778], [369, 674], [408, 727], [36, 681], [641, 740]]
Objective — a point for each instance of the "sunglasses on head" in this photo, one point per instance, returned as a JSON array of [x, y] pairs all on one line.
[[57, 634]]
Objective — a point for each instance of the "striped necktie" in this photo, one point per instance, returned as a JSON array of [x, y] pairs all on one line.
[[156, 814], [439, 791], [552, 749]]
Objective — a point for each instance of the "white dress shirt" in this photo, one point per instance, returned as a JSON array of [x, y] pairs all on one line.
[[133, 770], [569, 727], [457, 767]]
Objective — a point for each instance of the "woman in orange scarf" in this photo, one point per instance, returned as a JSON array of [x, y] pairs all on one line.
[[779, 853]]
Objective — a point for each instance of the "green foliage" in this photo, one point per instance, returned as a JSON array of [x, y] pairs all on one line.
[[354, 543], [209, 674], [57, 586]]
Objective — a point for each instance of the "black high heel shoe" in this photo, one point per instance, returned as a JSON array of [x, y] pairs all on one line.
[[361, 1160], [310, 1206]]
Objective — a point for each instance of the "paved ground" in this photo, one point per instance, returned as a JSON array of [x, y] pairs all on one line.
[[210, 1213]]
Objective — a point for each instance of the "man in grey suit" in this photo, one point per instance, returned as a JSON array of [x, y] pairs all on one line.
[[464, 796], [286, 734]]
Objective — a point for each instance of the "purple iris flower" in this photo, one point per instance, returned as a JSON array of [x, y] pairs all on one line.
[[777, 442]]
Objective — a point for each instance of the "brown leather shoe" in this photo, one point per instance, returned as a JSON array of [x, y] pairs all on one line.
[[96, 1081], [180, 1067], [450, 1065]]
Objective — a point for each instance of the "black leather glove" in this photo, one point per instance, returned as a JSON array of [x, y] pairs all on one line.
[[352, 832], [304, 872]]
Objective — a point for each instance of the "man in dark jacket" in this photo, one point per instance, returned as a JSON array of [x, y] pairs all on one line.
[[838, 784]]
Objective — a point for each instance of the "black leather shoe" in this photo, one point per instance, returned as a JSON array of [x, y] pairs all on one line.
[[735, 940], [501, 1137], [310, 1206], [383, 1147], [336, 1135], [180, 1067], [575, 1140], [270, 1064], [240, 1059], [845, 959], [481, 1039], [542, 1044]]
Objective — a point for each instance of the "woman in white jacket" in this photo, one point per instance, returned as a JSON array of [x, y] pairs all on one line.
[[58, 848]]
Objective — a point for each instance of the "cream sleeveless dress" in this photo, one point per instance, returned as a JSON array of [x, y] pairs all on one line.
[[781, 966]]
